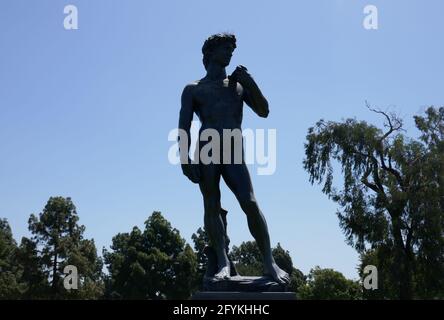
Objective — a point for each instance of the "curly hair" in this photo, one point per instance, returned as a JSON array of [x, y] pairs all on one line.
[[214, 41]]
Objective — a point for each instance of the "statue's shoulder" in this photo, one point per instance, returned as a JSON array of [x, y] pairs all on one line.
[[190, 87], [192, 84]]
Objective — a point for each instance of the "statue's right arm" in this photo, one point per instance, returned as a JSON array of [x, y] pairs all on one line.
[[185, 118]]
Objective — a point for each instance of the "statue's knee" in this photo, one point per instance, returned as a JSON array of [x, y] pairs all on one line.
[[212, 205], [248, 203]]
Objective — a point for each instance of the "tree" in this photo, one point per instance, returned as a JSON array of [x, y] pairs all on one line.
[[392, 195], [59, 241], [200, 240], [84, 257], [10, 272], [386, 288], [248, 259], [328, 284], [36, 281], [153, 264]]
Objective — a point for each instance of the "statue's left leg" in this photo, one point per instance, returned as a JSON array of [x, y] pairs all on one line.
[[237, 178]]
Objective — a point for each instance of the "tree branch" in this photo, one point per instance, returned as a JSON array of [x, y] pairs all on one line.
[[394, 124], [376, 187]]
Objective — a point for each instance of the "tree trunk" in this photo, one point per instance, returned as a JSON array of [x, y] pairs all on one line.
[[407, 275], [403, 261]]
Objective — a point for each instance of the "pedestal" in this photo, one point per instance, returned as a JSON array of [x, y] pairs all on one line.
[[242, 284], [224, 295]]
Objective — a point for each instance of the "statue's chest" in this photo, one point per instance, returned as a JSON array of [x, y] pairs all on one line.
[[218, 99]]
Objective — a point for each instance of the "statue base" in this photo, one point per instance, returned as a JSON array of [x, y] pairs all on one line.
[[242, 284], [221, 295]]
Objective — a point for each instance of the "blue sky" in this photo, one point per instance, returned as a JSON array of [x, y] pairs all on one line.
[[86, 113]]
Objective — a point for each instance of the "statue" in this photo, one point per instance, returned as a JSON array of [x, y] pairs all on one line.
[[218, 102]]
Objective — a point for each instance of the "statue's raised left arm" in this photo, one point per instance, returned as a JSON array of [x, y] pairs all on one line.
[[252, 95]]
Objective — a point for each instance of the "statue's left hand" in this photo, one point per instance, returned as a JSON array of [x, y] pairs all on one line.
[[242, 76]]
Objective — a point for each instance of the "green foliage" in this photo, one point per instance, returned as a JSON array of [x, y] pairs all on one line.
[[185, 268], [382, 257], [392, 195], [328, 284], [153, 264], [247, 259], [84, 257], [36, 281], [200, 240], [10, 272], [58, 241], [297, 281]]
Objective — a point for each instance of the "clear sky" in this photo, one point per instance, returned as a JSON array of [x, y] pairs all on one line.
[[86, 113]]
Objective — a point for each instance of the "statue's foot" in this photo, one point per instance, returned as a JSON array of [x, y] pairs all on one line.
[[279, 275], [223, 273]]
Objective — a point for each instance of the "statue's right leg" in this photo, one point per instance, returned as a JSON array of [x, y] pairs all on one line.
[[214, 226]]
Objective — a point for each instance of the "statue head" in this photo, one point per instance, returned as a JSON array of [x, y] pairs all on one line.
[[218, 48]]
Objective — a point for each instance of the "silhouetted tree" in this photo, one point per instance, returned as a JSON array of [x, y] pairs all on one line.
[[200, 240], [153, 264], [392, 198], [36, 281], [248, 259], [10, 271], [59, 242], [328, 284]]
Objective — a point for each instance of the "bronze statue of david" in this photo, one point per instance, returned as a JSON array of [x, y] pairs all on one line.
[[218, 101]]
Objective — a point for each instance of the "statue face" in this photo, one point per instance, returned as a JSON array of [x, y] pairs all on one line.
[[222, 54]]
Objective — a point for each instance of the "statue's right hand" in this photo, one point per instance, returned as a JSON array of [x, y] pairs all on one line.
[[192, 171]]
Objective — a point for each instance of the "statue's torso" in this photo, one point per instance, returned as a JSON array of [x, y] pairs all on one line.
[[217, 104]]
